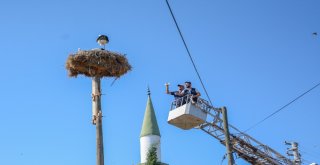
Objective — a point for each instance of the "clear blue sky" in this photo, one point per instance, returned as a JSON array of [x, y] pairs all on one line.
[[254, 57]]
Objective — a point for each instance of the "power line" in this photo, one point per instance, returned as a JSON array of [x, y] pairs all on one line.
[[312, 152], [277, 111], [308, 154], [185, 45]]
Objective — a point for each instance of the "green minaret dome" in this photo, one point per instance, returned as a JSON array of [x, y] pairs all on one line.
[[150, 125]]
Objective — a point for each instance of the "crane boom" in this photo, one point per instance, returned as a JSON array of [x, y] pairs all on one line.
[[246, 147]]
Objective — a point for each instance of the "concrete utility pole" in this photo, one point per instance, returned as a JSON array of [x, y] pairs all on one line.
[[227, 136], [295, 152], [97, 117]]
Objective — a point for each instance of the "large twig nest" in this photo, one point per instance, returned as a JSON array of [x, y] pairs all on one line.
[[97, 63]]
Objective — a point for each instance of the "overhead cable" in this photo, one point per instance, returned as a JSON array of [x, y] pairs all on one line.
[[283, 107], [185, 45]]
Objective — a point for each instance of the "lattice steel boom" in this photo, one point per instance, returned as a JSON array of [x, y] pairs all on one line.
[[242, 144]]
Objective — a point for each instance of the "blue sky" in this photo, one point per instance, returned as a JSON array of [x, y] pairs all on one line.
[[253, 56]]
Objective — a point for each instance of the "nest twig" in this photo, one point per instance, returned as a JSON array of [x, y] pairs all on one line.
[[97, 63]]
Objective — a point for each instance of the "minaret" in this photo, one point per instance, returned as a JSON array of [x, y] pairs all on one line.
[[150, 133]]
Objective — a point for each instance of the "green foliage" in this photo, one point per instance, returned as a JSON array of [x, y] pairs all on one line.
[[152, 157]]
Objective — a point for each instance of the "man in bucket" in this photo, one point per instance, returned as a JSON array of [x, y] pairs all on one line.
[[178, 95], [191, 91]]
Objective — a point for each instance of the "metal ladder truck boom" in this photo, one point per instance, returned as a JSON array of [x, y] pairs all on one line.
[[187, 114]]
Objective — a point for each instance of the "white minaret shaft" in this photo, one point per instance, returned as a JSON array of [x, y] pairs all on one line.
[[150, 133], [146, 143]]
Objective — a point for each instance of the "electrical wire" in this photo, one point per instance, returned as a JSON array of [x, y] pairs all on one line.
[[283, 107], [223, 158], [311, 152], [308, 154], [185, 45]]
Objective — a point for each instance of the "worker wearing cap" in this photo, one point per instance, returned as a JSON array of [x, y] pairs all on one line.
[[178, 95], [191, 91]]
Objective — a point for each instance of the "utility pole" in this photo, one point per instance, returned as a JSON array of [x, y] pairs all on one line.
[[294, 151], [296, 154], [227, 136], [97, 117]]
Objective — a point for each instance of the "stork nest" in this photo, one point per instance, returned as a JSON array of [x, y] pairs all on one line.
[[97, 63]]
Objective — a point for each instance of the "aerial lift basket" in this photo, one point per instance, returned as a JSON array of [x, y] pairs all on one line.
[[187, 114]]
